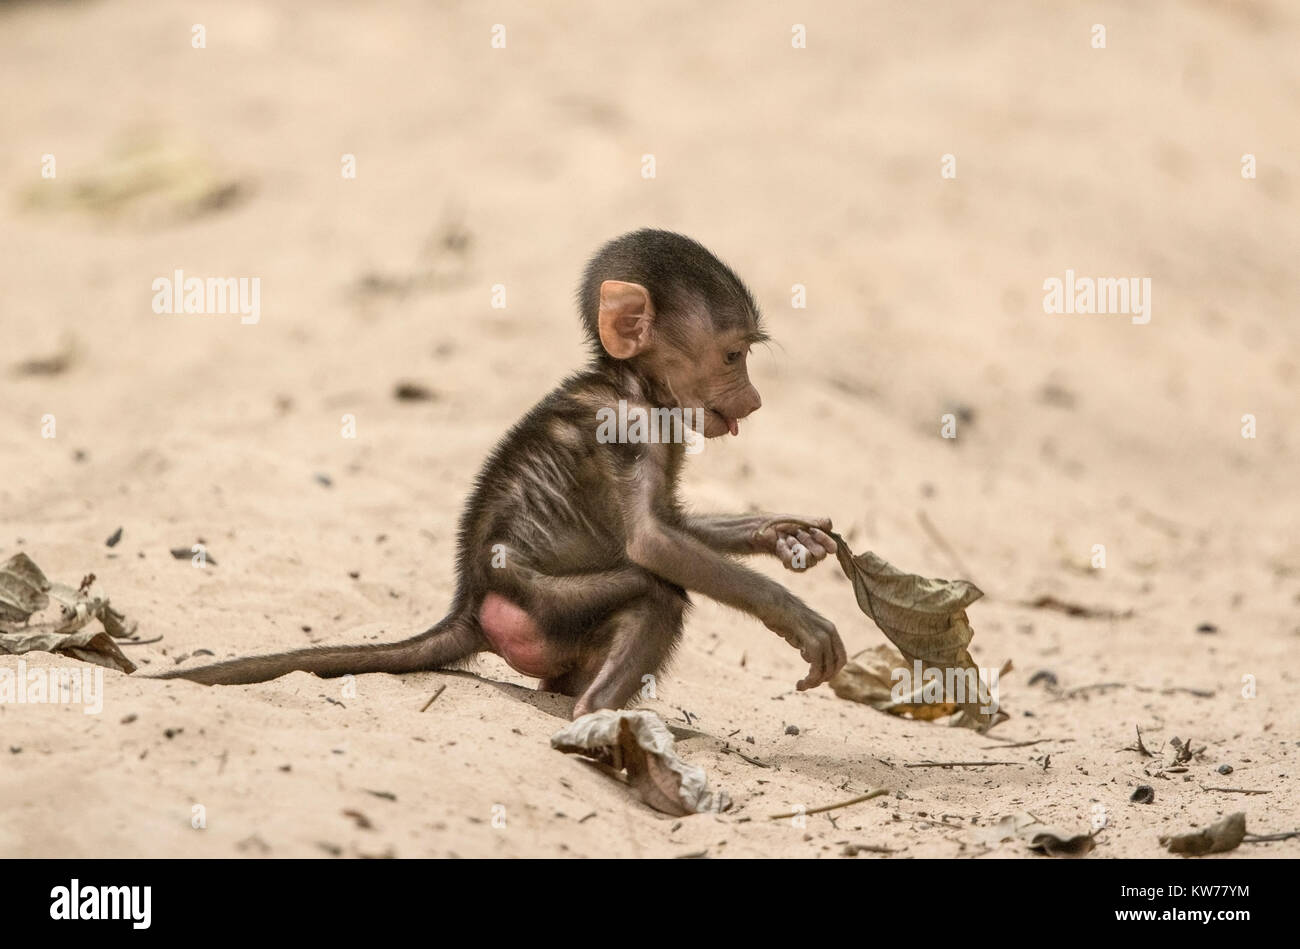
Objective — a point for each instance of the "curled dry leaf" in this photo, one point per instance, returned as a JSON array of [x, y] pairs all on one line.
[[640, 742], [926, 620], [1226, 835], [25, 591], [1038, 836], [869, 678], [88, 645]]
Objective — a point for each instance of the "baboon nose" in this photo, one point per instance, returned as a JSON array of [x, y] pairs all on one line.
[[751, 403]]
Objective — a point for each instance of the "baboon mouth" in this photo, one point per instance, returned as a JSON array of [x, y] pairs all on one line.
[[733, 425]]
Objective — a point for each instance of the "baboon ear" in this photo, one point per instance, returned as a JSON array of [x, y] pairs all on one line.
[[625, 317]]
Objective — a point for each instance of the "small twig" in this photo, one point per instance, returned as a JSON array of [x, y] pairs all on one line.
[[1140, 748], [1264, 838], [1096, 685], [1199, 693], [956, 764], [1233, 790], [1026, 744], [852, 850], [930, 820], [1049, 602], [741, 754], [139, 642], [441, 689], [943, 544], [830, 807]]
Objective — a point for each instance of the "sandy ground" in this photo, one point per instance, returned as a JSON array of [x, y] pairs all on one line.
[[819, 166]]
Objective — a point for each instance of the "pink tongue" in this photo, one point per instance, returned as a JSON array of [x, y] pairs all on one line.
[[733, 426]]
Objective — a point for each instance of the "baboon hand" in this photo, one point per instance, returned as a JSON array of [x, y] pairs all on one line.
[[816, 639], [800, 542]]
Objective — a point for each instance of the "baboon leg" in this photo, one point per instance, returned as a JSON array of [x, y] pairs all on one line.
[[584, 598], [540, 624], [639, 639]]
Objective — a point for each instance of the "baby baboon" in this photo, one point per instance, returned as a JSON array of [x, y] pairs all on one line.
[[575, 555]]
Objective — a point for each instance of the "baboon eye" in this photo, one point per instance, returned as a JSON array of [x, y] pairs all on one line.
[[732, 357]]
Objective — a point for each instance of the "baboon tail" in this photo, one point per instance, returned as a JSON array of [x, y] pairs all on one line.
[[453, 638]]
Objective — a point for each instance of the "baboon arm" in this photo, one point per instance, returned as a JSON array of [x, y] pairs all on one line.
[[726, 533], [680, 558], [778, 534]]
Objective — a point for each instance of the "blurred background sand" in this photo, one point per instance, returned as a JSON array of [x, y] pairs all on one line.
[[821, 167]]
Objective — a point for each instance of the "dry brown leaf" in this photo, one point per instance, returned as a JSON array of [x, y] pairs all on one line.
[[25, 591], [869, 678], [88, 645], [1038, 836], [1226, 835], [640, 742], [924, 618]]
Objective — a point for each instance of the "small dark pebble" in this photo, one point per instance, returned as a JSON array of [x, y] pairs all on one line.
[[1057, 395], [1207, 628], [1046, 676], [15, 749], [1225, 769], [412, 392], [354, 574], [128, 719], [185, 553], [173, 732], [360, 819], [964, 413], [792, 729], [114, 537], [1145, 794], [324, 479]]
